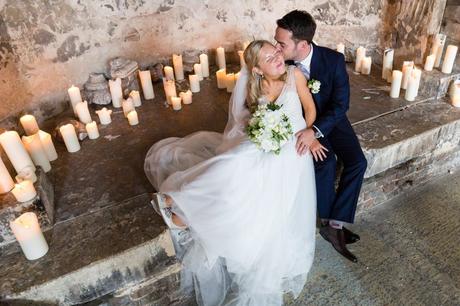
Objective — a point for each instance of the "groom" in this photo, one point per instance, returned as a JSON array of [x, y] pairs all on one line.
[[332, 129]]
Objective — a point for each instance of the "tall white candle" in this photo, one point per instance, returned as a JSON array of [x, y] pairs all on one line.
[[242, 62], [146, 82], [417, 75], [14, 149], [128, 105], [438, 48], [449, 59], [411, 91], [6, 182], [34, 146], [407, 71], [70, 138], [387, 66], [24, 191], [221, 75], [360, 54], [429, 62], [104, 115], [176, 103], [204, 65], [366, 65], [341, 48], [197, 70], [396, 83], [83, 112], [221, 58], [91, 128], [75, 97], [194, 82], [29, 124], [178, 66], [26, 174], [48, 145], [170, 89], [134, 94], [116, 92], [454, 93], [169, 73], [29, 235], [133, 119], [230, 82], [186, 97]]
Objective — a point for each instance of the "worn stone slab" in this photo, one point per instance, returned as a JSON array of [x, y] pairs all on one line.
[[435, 83]]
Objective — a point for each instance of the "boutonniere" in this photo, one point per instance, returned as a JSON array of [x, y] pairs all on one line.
[[314, 86]]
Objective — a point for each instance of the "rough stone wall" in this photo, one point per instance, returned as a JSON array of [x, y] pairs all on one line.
[[46, 46]]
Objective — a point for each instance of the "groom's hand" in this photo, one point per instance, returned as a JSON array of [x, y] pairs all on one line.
[[305, 138]]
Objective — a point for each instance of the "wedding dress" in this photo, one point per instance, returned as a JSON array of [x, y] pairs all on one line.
[[251, 215]]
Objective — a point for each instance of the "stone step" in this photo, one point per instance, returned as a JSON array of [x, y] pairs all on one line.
[[436, 84]]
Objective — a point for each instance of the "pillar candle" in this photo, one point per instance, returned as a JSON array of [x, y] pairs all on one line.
[[75, 97], [366, 65], [116, 92], [170, 89], [449, 59], [360, 54], [429, 62], [6, 182], [35, 149], [396, 83], [417, 74], [176, 103], [83, 112], [387, 66], [242, 62], [133, 119], [221, 58], [24, 191], [93, 132], [104, 115], [411, 91], [204, 65], [29, 124], [14, 149], [146, 82], [230, 82], [221, 75], [48, 145], [26, 174], [134, 94], [178, 67], [169, 73], [455, 93], [407, 71], [194, 83], [29, 235], [341, 48], [438, 48], [70, 138], [186, 97], [197, 69], [128, 105]]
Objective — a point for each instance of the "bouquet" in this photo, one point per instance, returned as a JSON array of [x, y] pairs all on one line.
[[269, 128]]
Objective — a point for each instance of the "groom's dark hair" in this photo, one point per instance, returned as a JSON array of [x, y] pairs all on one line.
[[300, 23]]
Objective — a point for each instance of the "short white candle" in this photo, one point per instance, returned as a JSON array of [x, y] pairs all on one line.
[[128, 105], [438, 48], [6, 182], [396, 83], [449, 59], [29, 124], [24, 191], [176, 103], [70, 138], [170, 89], [366, 65], [411, 91], [14, 149], [407, 71], [29, 235], [221, 75], [221, 58], [204, 62], [169, 73], [387, 66], [429, 62], [230, 82], [454, 93], [133, 119], [48, 145], [417, 75], [26, 174], [35, 149], [194, 82], [341, 48], [75, 97], [83, 112], [116, 92], [134, 94], [360, 54], [93, 132], [197, 70], [178, 67], [186, 97], [104, 115], [242, 62], [146, 82]]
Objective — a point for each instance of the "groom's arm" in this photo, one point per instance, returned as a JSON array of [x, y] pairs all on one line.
[[339, 100]]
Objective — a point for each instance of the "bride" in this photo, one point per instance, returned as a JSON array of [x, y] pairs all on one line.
[[248, 217]]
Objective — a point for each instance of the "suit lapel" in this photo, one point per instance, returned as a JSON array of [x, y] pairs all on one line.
[[314, 70]]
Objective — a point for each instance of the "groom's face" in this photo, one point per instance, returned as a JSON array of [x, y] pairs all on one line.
[[286, 44]]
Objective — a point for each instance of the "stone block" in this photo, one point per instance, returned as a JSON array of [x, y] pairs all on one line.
[[435, 83]]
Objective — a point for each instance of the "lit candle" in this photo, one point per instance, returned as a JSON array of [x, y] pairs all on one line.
[[366, 65], [146, 82], [387, 66], [83, 112], [204, 65], [169, 73], [341, 48], [134, 94], [186, 97], [221, 75], [197, 69], [6, 182], [34, 146], [29, 235], [396, 83], [24, 191], [75, 97], [29, 124], [176, 103], [128, 105], [438, 48], [104, 115], [178, 67], [14, 149], [429, 63], [221, 58], [360, 54], [48, 145], [407, 71], [194, 83], [132, 118], [170, 89], [116, 92], [26, 174], [449, 59], [455, 93], [93, 132], [230, 82], [70, 137], [242, 62]]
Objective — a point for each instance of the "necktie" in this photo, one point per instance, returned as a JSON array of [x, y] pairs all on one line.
[[304, 70]]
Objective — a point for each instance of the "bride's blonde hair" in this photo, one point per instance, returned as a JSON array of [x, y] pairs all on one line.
[[251, 57]]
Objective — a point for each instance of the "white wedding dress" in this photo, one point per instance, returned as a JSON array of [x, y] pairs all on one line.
[[251, 215]]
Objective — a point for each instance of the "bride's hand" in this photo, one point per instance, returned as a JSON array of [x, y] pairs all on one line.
[[305, 138], [318, 150]]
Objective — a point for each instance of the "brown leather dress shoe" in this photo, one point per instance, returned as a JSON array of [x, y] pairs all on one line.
[[350, 237], [337, 238]]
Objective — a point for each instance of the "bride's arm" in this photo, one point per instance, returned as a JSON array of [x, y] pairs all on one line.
[[305, 97]]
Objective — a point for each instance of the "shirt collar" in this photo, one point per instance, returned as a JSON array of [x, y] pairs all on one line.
[[306, 62]]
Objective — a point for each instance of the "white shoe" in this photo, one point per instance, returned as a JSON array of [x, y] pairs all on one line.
[[159, 205], [181, 240]]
